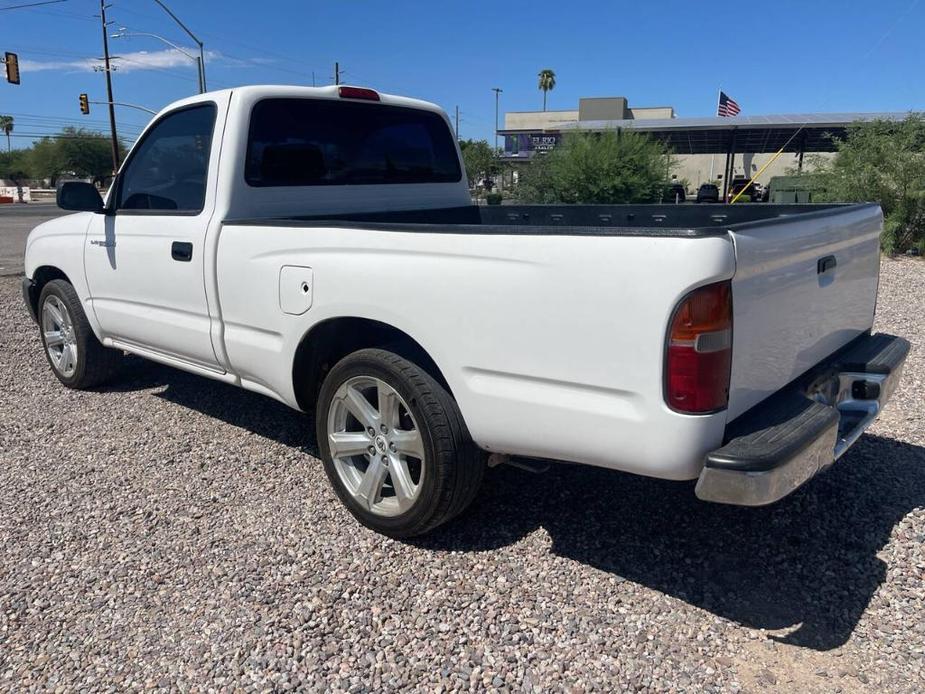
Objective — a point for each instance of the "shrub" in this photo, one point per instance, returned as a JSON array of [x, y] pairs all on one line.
[[882, 161], [609, 167]]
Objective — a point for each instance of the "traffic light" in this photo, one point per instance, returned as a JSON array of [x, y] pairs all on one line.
[[84, 105], [12, 67]]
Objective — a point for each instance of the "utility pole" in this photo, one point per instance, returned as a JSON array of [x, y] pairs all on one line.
[[457, 122], [497, 92], [336, 73], [112, 109]]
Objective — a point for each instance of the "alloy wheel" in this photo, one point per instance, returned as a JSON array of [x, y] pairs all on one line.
[[59, 336], [376, 446]]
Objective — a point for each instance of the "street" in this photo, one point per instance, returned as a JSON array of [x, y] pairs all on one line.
[[16, 221]]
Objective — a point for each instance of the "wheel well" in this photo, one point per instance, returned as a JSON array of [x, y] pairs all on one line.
[[42, 276], [332, 340]]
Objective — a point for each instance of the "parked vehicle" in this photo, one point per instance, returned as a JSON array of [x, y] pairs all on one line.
[[751, 194], [708, 192], [319, 246]]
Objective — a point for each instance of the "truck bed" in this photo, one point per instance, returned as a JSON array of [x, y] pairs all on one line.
[[567, 220], [806, 272]]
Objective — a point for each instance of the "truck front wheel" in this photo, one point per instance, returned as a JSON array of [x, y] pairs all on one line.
[[394, 444], [76, 357]]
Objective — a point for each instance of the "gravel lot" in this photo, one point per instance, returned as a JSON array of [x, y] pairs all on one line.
[[171, 532]]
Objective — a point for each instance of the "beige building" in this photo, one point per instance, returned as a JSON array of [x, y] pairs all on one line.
[[710, 149], [594, 108]]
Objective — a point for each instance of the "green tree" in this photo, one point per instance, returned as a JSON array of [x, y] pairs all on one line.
[[6, 125], [547, 83], [598, 168], [74, 151], [15, 164], [47, 159], [479, 159], [881, 161]]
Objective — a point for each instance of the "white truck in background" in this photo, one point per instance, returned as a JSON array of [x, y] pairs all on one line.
[[319, 246]]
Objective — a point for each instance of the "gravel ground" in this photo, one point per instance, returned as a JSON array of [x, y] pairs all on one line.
[[174, 533]]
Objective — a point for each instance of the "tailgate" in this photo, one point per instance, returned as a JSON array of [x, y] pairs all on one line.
[[804, 286]]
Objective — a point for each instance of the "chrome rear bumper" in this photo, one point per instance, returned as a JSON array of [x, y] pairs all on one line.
[[784, 441]]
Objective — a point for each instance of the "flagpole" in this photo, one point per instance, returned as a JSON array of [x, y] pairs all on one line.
[[713, 155]]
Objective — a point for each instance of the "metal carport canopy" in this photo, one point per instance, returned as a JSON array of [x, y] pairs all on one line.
[[753, 134]]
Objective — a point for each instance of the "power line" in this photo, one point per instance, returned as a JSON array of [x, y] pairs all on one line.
[[65, 15], [95, 135], [65, 119], [304, 72], [221, 54], [143, 65], [151, 17], [42, 51], [31, 4], [31, 123], [29, 127]]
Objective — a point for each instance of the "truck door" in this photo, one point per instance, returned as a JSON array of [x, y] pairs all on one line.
[[144, 260]]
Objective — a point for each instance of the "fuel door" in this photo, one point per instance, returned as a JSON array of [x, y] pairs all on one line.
[[296, 286]]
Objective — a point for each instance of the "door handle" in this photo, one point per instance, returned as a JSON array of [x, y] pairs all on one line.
[[825, 264], [182, 251]]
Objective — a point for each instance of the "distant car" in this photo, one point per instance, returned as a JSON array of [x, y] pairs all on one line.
[[674, 192], [751, 194], [708, 192]]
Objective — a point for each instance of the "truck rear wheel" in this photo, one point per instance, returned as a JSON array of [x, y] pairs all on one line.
[[394, 444], [76, 357]]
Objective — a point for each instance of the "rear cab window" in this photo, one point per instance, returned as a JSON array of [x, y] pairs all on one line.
[[329, 142]]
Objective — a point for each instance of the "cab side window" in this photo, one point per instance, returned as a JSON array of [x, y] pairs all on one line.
[[169, 168]]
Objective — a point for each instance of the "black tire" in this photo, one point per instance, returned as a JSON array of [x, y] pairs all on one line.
[[95, 363], [454, 466]]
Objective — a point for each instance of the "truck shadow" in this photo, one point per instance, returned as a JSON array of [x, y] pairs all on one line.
[[808, 563], [241, 408]]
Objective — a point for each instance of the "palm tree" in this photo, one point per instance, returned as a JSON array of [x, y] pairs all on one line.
[[6, 125], [547, 82]]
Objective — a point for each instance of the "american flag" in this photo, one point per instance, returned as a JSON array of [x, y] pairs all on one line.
[[727, 106]]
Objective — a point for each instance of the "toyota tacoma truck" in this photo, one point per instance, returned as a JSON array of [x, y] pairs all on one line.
[[319, 246]]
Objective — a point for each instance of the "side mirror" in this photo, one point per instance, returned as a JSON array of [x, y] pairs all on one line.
[[79, 196]]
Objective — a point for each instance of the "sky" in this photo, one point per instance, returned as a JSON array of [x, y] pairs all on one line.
[[771, 57]]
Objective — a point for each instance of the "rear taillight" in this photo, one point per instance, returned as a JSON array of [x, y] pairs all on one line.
[[699, 351], [358, 93]]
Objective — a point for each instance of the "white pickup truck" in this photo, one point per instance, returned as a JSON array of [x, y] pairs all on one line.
[[319, 246]]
